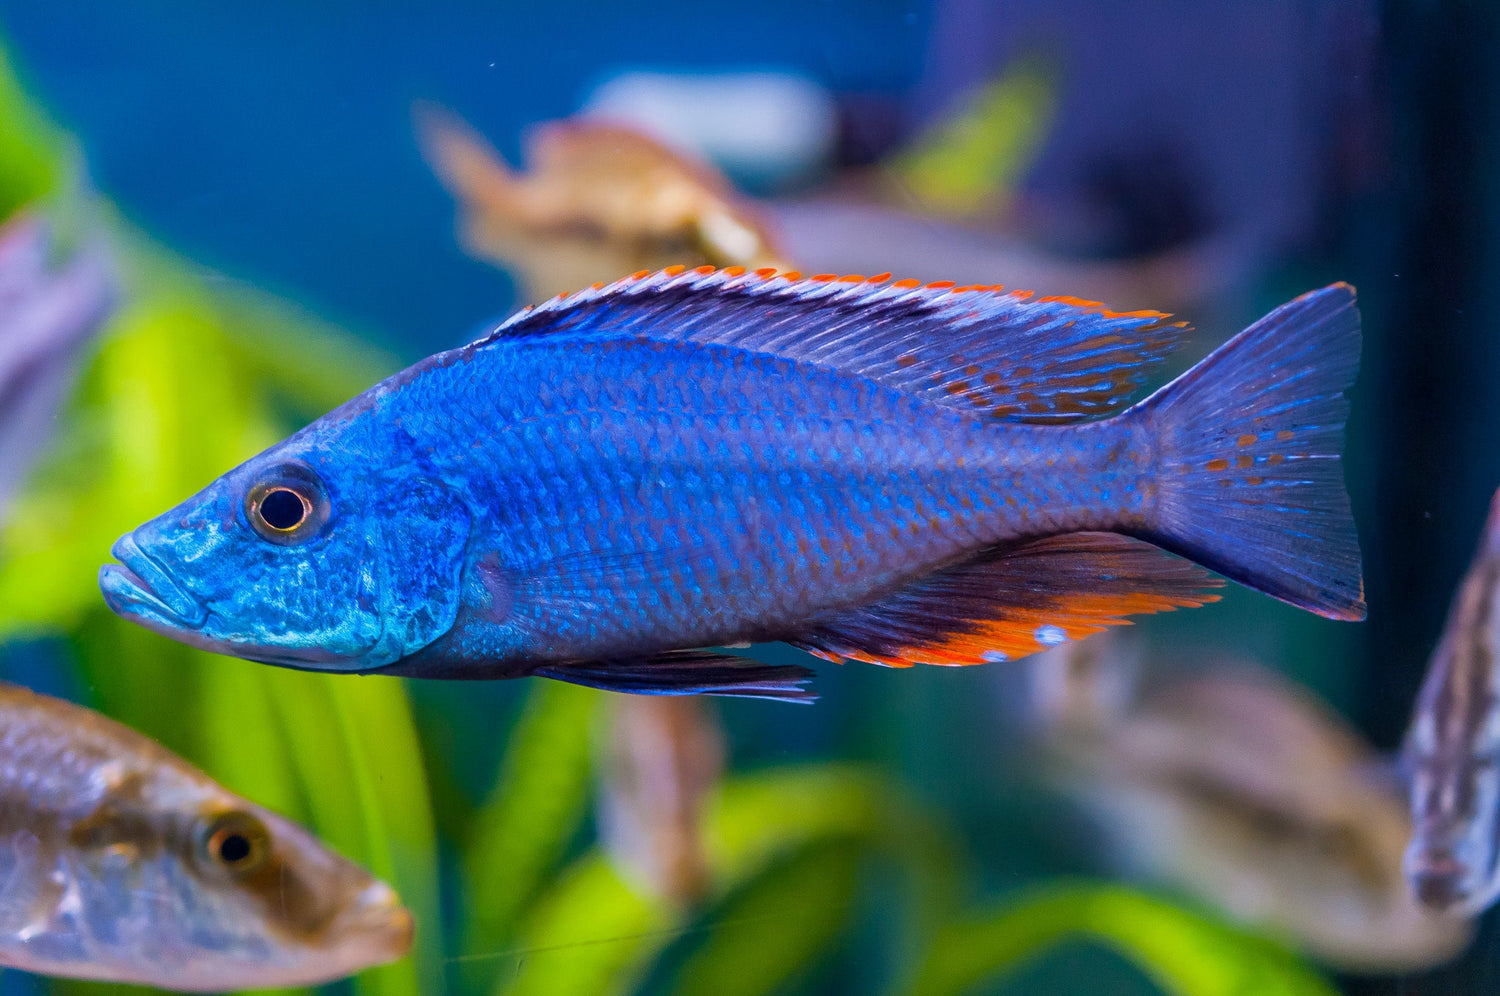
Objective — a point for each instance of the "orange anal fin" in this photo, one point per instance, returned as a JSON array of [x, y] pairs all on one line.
[[1008, 603]]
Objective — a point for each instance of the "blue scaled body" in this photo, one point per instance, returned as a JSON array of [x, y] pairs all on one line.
[[615, 480]]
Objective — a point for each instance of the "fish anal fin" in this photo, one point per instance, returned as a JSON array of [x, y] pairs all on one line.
[[1011, 602], [689, 672]]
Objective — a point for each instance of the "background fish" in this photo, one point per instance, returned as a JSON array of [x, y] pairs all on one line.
[[662, 758], [1452, 750], [597, 200], [1243, 789], [48, 313], [120, 861], [868, 470]]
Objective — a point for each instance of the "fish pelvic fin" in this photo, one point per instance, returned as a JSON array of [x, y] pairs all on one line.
[[1012, 601], [1250, 482], [689, 672]]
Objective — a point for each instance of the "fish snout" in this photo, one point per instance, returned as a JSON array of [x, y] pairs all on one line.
[[374, 928], [1439, 882], [138, 586], [1440, 877]]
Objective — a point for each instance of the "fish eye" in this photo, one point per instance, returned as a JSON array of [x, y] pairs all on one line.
[[236, 842], [288, 505]]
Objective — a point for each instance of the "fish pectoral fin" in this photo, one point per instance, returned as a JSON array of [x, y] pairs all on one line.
[[1013, 601], [689, 672]]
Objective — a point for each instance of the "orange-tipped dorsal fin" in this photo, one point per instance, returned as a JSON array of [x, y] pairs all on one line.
[[982, 350]]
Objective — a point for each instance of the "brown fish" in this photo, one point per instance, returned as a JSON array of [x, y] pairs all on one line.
[[1242, 789], [665, 754], [598, 200], [119, 861]]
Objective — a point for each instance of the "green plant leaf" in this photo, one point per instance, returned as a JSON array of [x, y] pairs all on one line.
[[590, 935], [1184, 952], [536, 808], [973, 159], [770, 931], [31, 147]]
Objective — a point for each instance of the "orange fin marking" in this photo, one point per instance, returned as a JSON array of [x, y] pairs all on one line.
[[998, 355], [1009, 604]]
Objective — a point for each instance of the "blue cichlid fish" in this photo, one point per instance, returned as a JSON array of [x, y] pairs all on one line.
[[1452, 750], [869, 470]]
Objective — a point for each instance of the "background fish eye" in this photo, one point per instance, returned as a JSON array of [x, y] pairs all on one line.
[[288, 506], [236, 842]]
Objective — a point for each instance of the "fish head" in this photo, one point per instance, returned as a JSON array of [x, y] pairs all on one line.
[[204, 891], [312, 555], [1453, 860]]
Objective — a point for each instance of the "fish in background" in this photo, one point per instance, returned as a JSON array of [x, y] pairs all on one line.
[[48, 313], [597, 200], [1240, 788], [868, 470], [119, 861], [1452, 750], [663, 757]]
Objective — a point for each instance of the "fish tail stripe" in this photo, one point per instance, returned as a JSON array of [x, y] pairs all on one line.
[[1250, 482], [982, 349]]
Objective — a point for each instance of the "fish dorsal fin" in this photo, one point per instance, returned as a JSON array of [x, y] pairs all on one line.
[[1006, 354], [1008, 603]]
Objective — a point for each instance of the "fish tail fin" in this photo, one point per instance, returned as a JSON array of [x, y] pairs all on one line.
[[1250, 483]]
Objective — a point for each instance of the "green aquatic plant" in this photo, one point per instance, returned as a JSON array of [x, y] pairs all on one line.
[[974, 158], [784, 847], [1183, 952], [538, 804]]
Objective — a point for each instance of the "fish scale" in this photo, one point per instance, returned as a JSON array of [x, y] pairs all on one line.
[[907, 479]]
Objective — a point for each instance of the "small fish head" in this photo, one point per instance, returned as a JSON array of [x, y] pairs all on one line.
[[304, 556], [1453, 860], [230, 896]]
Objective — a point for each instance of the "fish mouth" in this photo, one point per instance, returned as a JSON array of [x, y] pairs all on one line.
[[140, 588], [376, 927]]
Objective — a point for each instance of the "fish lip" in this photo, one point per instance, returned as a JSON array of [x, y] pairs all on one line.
[[377, 927], [139, 586]]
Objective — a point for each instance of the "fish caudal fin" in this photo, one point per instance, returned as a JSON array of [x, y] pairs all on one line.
[[1250, 482]]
